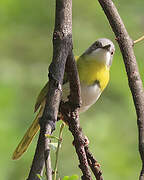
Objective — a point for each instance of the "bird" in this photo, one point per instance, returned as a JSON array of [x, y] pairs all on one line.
[[94, 71]]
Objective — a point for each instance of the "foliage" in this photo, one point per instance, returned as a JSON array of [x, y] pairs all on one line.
[[73, 177]]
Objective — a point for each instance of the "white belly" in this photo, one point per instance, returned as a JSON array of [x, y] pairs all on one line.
[[89, 95]]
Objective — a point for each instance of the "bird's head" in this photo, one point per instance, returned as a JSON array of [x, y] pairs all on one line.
[[101, 50]]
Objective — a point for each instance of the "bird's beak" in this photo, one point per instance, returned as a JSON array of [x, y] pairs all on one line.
[[107, 47]]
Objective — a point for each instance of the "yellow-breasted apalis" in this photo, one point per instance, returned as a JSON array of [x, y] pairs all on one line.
[[93, 68]]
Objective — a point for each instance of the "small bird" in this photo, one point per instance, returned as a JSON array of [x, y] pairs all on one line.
[[93, 68]]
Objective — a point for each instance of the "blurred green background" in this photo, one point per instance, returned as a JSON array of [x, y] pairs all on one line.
[[26, 29]]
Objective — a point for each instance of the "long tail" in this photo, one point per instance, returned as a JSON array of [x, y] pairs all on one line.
[[29, 135]]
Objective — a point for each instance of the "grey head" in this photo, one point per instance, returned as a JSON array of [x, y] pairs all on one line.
[[103, 49]]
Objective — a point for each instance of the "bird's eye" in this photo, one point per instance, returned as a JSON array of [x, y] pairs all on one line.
[[112, 53], [98, 44]]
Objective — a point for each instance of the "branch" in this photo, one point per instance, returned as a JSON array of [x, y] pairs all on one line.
[[62, 45], [69, 111], [139, 39], [95, 167], [38, 161], [57, 151], [135, 82]]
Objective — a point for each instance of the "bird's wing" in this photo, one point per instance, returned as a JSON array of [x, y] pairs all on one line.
[[44, 90], [41, 97], [34, 128]]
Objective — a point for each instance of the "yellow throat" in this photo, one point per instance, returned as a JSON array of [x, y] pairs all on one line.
[[92, 71]]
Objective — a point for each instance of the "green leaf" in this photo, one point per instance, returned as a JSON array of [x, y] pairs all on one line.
[[73, 177], [66, 178]]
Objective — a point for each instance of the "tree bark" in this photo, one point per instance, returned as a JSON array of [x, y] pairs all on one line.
[[62, 45], [134, 80]]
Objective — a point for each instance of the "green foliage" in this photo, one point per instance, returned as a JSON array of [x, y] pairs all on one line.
[[40, 177], [25, 52], [73, 177]]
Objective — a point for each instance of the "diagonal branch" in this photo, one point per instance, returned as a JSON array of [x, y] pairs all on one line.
[[95, 167], [38, 160], [135, 82], [62, 45], [69, 111]]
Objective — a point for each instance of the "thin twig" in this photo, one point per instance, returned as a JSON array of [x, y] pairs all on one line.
[[47, 153], [139, 39], [49, 168], [135, 82], [57, 151]]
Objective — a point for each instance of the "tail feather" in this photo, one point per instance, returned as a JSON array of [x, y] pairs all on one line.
[[29, 135]]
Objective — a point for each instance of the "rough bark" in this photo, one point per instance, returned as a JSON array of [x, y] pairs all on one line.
[[62, 45], [134, 80]]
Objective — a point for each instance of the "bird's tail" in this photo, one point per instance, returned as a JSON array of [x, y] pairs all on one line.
[[29, 135]]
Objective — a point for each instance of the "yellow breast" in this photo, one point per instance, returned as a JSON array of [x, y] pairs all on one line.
[[91, 71]]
